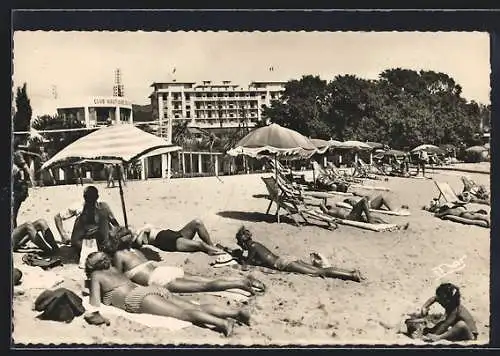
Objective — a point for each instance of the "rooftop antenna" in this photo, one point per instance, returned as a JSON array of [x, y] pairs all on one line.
[[54, 91], [118, 88]]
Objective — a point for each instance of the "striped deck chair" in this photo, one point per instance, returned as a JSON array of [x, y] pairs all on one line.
[[293, 203], [342, 174], [298, 178], [363, 170]]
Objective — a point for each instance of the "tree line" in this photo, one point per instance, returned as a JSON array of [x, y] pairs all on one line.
[[402, 108]]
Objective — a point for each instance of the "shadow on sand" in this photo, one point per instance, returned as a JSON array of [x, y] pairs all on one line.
[[253, 217]]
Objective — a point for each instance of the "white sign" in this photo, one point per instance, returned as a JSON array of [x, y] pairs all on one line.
[[116, 101]]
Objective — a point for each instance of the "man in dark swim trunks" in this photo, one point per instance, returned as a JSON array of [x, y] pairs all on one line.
[[359, 212], [181, 240]]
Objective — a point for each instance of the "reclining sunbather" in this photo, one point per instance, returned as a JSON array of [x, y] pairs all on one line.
[[462, 212], [181, 241], [134, 264], [259, 255], [37, 232], [111, 287], [458, 324], [378, 202], [356, 213], [473, 192]]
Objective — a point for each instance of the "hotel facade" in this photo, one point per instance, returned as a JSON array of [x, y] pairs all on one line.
[[210, 105]]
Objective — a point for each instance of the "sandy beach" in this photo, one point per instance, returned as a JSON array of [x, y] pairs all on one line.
[[296, 309]]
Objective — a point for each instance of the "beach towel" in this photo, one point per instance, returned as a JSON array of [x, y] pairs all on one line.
[[402, 212], [465, 221], [368, 226], [37, 278], [370, 187], [152, 321]]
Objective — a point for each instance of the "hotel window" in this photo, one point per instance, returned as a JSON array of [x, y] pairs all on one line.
[[188, 97], [165, 96], [177, 116], [209, 114], [188, 114], [252, 94], [263, 97], [231, 95]]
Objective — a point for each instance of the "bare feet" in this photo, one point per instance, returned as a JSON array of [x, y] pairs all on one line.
[[254, 285], [228, 328], [244, 316]]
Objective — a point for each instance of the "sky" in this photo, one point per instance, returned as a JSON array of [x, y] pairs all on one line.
[[82, 64]]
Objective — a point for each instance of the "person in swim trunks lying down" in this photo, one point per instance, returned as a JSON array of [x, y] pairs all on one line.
[[462, 212], [260, 255], [134, 264], [359, 212], [181, 240], [110, 287]]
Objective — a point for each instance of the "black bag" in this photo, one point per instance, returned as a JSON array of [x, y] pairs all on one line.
[[59, 305]]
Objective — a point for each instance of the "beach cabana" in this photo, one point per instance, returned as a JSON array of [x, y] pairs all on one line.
[[122, 142]]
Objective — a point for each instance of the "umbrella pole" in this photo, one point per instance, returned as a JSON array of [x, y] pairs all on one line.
[[121, 196], [276, 178]]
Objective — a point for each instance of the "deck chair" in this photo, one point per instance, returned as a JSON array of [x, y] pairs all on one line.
[[298, 178], [363, 170], [447, 194], [341, 174], [293, 205]]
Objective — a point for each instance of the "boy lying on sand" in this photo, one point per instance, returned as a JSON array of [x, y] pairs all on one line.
[[260, 255], [134, 264], [110, 287], [181, 241], [458, 324]]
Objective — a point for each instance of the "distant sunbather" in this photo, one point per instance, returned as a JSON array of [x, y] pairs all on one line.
[[474, 193], [462, 212], [378, 202], [110, 287], [260, 255], [37, 232], [356, 213], [134, 264], [181, 241]]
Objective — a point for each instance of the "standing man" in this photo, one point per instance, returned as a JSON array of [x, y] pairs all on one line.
[[423, 159], [21, 179]]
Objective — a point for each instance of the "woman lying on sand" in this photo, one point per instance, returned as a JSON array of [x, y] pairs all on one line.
[[259, 255], [458, 324], [181, 241], [111, 287], [378, 202], [145, 272], [441, 211], [37, 232]]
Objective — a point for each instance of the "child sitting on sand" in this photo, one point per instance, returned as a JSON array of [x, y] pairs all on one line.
[[458, 324], [260, 255]]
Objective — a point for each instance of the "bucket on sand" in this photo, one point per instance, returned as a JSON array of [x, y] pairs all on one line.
[[415, 327], [88, 246]]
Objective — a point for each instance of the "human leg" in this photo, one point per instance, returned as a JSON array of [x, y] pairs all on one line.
[[187, 245], [458, 332], [22, 234], [476, 216], [157, 305], [16, 205], [194, 227], [188, 285], [380, 201], [360, 208], [42, 227]]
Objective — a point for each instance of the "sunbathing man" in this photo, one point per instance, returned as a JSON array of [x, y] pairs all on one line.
[[379, 202], [37, 232], [458, 324], [462, 212], [355, 214], [93, 220], [259, 255], [111, 287], [181, 241], [134, 264]]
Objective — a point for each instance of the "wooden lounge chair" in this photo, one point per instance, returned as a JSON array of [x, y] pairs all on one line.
[[447, 194], [363, 170], [293, 204], [298, 178]]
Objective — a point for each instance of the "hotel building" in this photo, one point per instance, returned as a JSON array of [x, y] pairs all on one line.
[[211, 105]]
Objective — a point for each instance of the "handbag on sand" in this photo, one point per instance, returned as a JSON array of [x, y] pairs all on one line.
[[88, 246]]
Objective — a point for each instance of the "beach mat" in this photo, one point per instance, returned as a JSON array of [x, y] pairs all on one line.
[[368, 226], [386, 212], [152, 321], [370, 187], [461, 220]]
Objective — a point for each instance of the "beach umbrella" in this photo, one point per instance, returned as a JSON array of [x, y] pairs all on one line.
[[275, 141], [396, 153], [321, 145], [334, 143], [375, 145], [476, 149], [354, 145], [428, 149], [121, 142]]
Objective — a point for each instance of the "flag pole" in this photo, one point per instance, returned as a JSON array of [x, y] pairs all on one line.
[[124, 210]]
